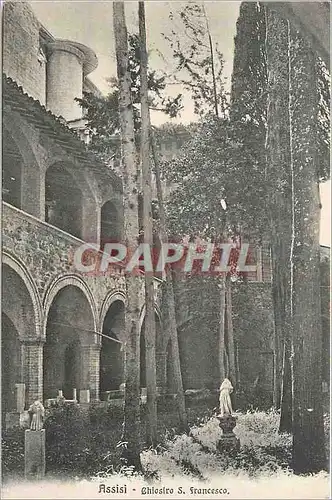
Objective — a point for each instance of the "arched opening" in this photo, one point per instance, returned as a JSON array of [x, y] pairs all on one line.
[[69, 330], [18, 323], [12, 164], [64, 200], [111, 226], [112, 354], [11, 372]]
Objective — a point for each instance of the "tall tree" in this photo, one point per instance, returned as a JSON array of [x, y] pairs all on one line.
[[306, 328], [102, 112], [150, 326], [278, 173], [199, 62], [131, 426], [248, 117]]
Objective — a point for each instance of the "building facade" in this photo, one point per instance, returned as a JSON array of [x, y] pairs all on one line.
[[56, 196]]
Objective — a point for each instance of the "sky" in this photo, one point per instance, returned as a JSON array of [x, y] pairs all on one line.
[[90, 23]]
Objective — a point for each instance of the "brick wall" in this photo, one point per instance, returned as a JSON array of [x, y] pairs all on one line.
[[21, 49]]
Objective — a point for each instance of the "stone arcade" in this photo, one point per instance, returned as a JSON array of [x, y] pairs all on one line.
[[56, 196]]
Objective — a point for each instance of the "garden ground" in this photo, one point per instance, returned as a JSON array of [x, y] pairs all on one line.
[[260, 470]]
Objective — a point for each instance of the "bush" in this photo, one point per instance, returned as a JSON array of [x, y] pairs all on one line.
[[263, 450], [12, 452]]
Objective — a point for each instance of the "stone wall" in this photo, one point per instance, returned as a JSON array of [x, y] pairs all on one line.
[[47, 252], [198, 307], [21, 58]]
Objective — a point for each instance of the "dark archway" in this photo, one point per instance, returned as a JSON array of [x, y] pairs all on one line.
[[18, 324], [11, 372], [64, 200], [112, 354], [111, 225], [12, 164], [69, 331]]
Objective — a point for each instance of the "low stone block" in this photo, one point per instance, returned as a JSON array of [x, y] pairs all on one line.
[[228, 443], [34, 454], [12, 419], [84, 396], [20, 397]]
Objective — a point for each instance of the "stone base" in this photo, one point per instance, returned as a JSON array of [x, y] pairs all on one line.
[[228, 440], [34, 454], [12, 419], [228, 443]]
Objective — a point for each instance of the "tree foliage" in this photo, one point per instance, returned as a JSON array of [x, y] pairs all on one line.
[[102, 112], [224, 163], [199, 64]]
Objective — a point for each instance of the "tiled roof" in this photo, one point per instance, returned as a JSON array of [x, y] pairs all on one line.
[[54, 127]]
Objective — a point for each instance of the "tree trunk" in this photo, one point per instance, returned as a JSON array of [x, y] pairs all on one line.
[[308, 427], [230, 333], [279, 178], [221, 344], [170, 301], [150, 325], [131, 426], [286, 424]]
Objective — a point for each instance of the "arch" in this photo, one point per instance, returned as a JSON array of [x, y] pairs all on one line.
[[71, 347], [108, 300], [18, 267], [111, 229], [11, 363], [22, 178], [62, 282], [63, 199], [112, 351], [14, 127], [12, 170]]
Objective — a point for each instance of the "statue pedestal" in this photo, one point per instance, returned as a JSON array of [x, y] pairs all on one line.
[[228, 440], [34, 454]]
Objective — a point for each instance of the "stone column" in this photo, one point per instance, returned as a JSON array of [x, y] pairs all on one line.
[[32, 368], [90, 359], [91, 219], [33, 190]]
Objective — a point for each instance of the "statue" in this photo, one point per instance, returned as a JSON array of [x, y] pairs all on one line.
[[226, 389], [36, 412]]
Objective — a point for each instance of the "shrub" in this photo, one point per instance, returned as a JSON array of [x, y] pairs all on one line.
[[12, 452]]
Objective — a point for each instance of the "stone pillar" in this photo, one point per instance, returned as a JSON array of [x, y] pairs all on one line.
[[20, 397], [91, 218], [68, 63], [90, 369], [34, 454], [32, 363], [33, 190]]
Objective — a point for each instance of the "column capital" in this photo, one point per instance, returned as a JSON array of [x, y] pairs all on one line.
[[33, 342]]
